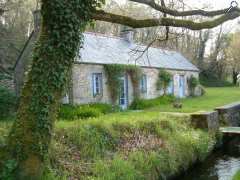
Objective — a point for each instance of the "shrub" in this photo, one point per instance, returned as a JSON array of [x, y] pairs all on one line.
[[139, 104], [192, 83], [103, 108], [7, 102], [209, 80], [84, 111], [78, 112], [164, 78]]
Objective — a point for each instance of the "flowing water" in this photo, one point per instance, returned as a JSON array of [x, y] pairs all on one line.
[[221, 165]]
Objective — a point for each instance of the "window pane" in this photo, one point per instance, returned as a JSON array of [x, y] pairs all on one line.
[[143, 83], [97, 84]]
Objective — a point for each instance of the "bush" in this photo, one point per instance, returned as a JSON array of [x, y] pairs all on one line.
[[211, 81], [164, 78], [139, 104], [192, 83], [103, 108], [78, 112], [7, 102], [84, 111]]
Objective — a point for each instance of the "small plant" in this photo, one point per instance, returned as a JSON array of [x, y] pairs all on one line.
[[192, 83], [164, 79]]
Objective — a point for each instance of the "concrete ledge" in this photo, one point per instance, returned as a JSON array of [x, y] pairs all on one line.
[[230, 114], [205, 120], [230, 107]]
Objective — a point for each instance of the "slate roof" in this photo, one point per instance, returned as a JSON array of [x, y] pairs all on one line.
[[101, 49]]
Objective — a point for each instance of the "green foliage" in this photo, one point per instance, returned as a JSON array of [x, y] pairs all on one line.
[[93, 140], [209, 80], [115, 72], [138, 104], [237, 175], [164, 78], [117, 169], [136, 145], [8, 169], [78, 112], [69, 112], [7, 102], [192, 83], [135, 74]]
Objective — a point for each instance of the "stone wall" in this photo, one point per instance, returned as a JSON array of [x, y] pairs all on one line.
[[82, 83], [206, 120], [230, 114]]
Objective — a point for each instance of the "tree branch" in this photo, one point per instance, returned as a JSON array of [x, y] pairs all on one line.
[[171, 12], [136, 23]]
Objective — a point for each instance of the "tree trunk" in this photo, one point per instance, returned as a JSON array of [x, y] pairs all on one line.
[[59, 40], [234, 77]]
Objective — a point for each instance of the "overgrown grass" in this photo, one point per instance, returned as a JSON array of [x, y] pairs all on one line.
[[130, 145], [214, 97]]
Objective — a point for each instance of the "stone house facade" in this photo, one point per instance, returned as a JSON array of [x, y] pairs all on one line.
[[89, 83], [99, 50]]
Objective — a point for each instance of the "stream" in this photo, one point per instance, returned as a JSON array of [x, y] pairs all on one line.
[[221, 165]]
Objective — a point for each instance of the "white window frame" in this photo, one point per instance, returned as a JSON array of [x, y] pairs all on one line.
[[143, 83], [97, 87]]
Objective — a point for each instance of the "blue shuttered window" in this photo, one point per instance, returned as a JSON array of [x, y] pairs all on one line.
[[143, 84], [97, 84]]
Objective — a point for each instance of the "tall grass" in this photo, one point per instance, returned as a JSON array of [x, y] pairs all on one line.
[[136, 145]]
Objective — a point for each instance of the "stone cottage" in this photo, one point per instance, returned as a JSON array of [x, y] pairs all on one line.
[[89, 82]]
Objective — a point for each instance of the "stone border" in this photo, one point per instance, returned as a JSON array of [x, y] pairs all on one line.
[[205, 120], [228, 115]]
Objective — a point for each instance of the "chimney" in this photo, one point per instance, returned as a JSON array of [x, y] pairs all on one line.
[[37, 19], [127, 34]]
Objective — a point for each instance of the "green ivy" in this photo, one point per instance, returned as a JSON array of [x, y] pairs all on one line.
[[63, 22], [164, 79], [115, 71], [192, 83]]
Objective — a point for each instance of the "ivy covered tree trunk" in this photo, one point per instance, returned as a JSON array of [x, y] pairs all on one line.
[[63, 21]]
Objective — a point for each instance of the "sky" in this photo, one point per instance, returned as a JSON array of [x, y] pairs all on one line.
[[213, 5], [199, 3], [229, 26]]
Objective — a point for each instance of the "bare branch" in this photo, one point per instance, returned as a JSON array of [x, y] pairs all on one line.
[[172, 12], [189, 24], [144, 50]]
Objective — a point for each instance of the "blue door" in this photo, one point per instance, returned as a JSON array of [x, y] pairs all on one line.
[[170, 89], [123, 96], [181, 86]]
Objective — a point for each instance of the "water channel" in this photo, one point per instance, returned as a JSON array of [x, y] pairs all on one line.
[[221, 165]]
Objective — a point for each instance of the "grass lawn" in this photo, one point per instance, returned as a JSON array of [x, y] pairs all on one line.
[[214, 97]]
